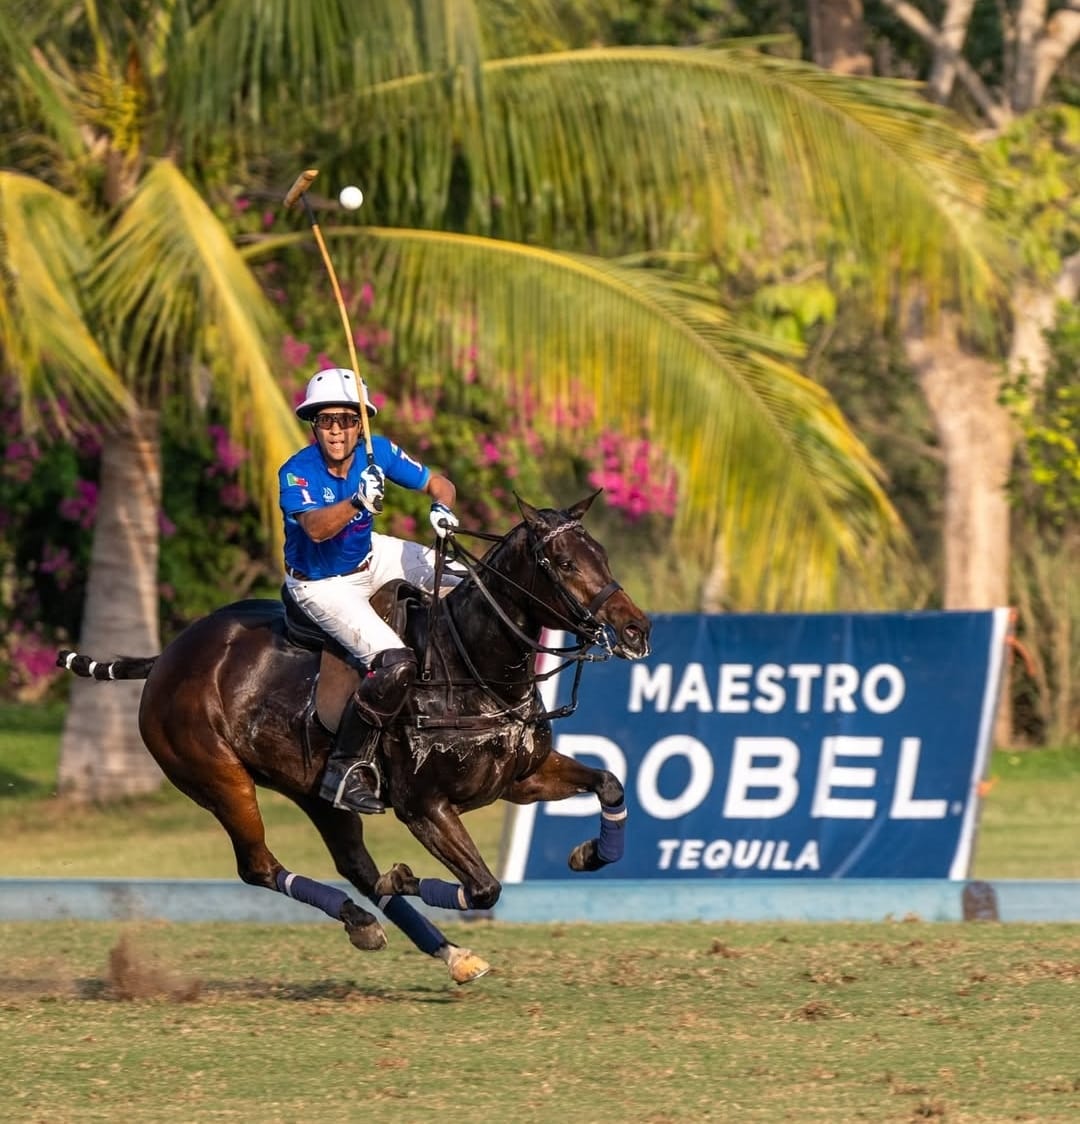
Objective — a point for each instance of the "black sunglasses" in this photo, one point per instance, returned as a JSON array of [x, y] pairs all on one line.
[[345, 421]]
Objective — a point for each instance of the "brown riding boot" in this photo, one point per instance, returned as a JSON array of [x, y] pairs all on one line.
[[347, 779]]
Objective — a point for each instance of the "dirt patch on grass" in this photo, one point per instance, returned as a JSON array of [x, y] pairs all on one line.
[[131, 973], [47, 982]]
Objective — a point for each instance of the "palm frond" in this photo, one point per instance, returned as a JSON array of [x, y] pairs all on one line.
[[615, 147], [38, 93], [753, 438], [46, 243], [179, 299], [252, 62]]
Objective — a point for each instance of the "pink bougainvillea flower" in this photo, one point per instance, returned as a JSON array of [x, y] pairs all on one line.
[[294, 351], [58, 562], [229, 455], [233, 497], [489, 451], [82, 507]]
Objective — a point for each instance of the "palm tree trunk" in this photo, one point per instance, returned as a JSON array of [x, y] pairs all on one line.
[[838, 36], [977, 441], [101, 753]]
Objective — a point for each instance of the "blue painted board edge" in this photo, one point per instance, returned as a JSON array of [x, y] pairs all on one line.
[[573, 900]]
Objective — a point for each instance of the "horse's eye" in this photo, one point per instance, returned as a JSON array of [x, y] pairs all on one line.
[[566, 565]]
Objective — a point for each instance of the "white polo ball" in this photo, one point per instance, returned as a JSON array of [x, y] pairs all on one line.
[[351, 197]]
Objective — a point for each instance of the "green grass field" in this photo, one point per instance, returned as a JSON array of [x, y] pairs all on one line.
[[658, 1023]]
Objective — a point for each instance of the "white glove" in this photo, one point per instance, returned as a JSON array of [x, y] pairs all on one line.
[[443, 520], [371, 490]]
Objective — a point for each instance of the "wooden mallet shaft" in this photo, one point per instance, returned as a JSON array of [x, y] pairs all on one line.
[[298, 194]]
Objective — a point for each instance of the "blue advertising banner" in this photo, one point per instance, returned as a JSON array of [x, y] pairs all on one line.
[[787, 746]]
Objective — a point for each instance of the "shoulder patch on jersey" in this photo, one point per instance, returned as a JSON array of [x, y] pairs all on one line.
[[295, 481], [402, 455]]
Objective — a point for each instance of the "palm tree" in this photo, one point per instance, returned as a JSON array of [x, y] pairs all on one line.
[[121, 287], [561, 180], [564, 206]]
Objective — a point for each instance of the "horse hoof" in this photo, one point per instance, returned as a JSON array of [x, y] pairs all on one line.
[[369, 938], [364, 931], [584, 857], [399, 879], [465, 966]]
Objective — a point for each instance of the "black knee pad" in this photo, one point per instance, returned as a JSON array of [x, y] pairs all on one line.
[[397, 664]]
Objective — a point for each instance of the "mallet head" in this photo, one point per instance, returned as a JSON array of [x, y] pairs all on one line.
[[303, 181]]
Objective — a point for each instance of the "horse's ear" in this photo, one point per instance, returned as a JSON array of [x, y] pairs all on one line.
[[577, 512], [528, 512]]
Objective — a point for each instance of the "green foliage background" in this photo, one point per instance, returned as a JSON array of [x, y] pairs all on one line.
[[454, 415]]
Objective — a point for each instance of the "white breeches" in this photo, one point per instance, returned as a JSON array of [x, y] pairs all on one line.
[[342, 605]]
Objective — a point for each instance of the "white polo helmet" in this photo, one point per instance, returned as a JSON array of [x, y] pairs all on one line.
[[335, 386]]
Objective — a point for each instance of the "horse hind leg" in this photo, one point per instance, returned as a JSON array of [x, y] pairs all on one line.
[[232, 800]]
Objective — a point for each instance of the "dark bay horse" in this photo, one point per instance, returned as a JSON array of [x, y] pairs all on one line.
[[231, 704]]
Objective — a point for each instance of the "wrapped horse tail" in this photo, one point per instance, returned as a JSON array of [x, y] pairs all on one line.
[[125, 667]]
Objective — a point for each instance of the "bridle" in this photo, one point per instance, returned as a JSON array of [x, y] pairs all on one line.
[[583, 617], [578, 618]]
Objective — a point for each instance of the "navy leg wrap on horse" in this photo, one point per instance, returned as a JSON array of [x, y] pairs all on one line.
[[612, 841], [414, 925], [310, 892], [445, 895]]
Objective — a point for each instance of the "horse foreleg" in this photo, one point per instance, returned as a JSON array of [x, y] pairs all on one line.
[[441, 831], [560, 777], [439, 828], [343, 834]]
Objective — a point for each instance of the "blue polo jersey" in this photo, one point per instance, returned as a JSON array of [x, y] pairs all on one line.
[[305, 484]]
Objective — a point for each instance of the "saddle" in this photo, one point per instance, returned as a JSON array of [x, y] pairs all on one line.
[[402, 605]]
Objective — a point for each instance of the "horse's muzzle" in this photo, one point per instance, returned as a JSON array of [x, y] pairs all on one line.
[[633, 641], [630, 626]]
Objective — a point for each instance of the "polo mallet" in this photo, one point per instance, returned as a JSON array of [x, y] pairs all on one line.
[[298, 194]]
